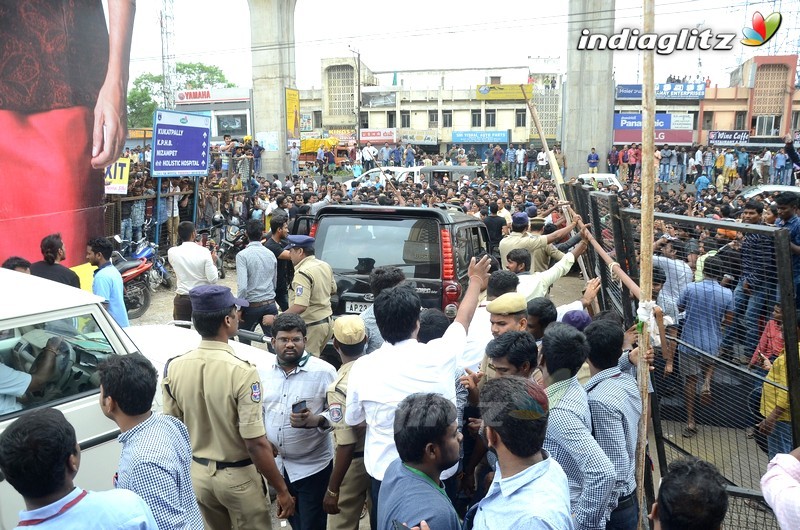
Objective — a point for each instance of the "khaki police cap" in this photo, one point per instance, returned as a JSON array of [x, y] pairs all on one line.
[[349, 329], [507, 304]]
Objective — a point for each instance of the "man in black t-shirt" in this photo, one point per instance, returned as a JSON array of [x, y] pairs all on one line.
[[496, 226], [53, 252], [279, 225]]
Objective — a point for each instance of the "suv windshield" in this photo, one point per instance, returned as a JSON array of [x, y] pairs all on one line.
[[356, 246]]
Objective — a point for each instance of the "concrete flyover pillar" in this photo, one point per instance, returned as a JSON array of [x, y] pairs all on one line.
[[589, 98], [272, 41]]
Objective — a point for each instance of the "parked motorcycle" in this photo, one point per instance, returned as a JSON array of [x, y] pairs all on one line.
[[234, 240], [135, 284], [144, 249]]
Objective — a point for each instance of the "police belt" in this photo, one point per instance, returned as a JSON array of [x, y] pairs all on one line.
[[626, 501], [358, 454], [222, 465], [323, 321]]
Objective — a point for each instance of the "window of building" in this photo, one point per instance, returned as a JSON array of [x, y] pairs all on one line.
[[795, 120], [405, 118], [494, 80], [317, 119], [364, 120], [491, 117], [520, 116], [341, 98], [708, 121], [233, 124], [447, 118], [741, 120], [391, 119], [433, 119], [768, 125], [476, 118]]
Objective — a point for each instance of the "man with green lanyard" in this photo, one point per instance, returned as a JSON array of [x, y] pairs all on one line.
[[427, 438]]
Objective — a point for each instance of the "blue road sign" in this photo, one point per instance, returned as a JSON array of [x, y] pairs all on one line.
[[180, 144]]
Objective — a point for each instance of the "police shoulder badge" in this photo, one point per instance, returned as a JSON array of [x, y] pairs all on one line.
[[335, 410], [255, 392], [298, 291]]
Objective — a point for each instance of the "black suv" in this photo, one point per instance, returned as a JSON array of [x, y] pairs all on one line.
[[432, 246]]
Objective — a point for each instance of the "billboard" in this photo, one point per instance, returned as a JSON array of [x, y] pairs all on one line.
[[378, 98], [479, 137], [306, 122], [664, 91], [292, 113], [506, 92], [663, 121], [116, 179], [728, 138], [661, 137], [378, 136], [419, 137]]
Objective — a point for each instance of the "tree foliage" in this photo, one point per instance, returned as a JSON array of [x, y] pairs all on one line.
[[146, 93]]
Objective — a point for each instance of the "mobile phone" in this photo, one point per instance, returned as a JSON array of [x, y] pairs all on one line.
[[397, 525], [300, 406]]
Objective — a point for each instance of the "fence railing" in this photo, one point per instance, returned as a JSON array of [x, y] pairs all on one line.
[[710, 403]]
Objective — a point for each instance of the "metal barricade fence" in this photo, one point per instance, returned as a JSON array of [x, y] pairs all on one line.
[[717, 372]]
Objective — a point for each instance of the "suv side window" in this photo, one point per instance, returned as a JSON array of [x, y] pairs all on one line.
[[84, 345], [464, 249]]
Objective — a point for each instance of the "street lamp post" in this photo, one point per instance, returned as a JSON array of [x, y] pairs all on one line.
[[358, 97]]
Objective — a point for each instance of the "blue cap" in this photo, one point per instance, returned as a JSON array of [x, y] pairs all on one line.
[[531, 211], [208, 298], [300, 242], [519, 219]]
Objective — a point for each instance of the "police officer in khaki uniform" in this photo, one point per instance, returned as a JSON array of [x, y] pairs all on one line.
[[310, 295], [349, 485], [229, 446]]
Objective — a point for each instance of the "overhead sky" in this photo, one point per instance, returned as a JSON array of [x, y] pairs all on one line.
[[425, 34]]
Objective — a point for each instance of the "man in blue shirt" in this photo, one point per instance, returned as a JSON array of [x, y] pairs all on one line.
[[107, 279], [40, 457], [156, 455], [788, 219], [529, 489], [569, 440], [743, 159], [427, 439], [593, 159], [709, 307], [701, 184], [616, 407]]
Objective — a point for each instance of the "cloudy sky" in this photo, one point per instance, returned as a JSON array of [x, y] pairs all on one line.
[[417, 34]]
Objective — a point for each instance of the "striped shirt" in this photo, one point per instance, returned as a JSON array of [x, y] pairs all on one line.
[[569, 440], [256, 273], [616, 407], [155, 463]]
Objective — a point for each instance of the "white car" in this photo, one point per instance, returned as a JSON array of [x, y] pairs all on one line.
[[379, 175], [603, 180], [35, 309]]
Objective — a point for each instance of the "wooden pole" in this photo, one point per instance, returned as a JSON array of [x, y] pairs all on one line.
[[646, 248], [559, 178]]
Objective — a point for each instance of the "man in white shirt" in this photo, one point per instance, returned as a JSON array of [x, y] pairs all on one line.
[[368, 154], [295, 384], [294, 157], [520, 161], [403, 366], [193, 265]]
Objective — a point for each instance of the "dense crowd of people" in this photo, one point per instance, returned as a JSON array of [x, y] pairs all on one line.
[[451, 423]]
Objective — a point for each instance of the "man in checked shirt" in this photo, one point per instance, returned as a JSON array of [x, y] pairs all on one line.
[[616, 407], [569, 431]]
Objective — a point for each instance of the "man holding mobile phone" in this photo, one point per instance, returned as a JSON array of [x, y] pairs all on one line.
[[295, 385]]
